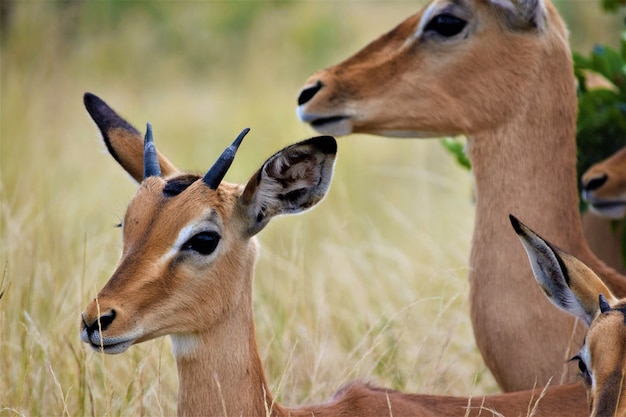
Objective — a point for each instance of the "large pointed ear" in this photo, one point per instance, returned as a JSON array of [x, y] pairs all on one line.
[[291, 181], [566, 281], [124, 142], [521, 14]]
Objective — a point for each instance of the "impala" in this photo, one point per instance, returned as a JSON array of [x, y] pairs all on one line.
[[604, 189], [499, 72], [186, 271], [604, 186], [573, 287]]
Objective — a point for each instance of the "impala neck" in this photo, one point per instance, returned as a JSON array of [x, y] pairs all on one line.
[[220, 372]]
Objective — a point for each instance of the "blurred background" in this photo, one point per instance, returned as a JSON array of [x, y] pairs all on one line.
[[371, 285]]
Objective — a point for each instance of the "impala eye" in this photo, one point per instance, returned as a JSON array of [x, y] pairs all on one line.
[[204, 243], [446, 25], [582, 367]]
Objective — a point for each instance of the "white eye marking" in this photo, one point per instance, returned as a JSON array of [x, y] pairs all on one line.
[[426, 16], [585, 357], [207, 222]]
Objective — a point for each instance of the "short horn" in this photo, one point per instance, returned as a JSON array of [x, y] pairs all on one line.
[[214, 176], [604, 304], [151, 166]]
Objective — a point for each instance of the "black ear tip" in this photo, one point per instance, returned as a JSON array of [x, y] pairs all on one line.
[[517, 225], [326, 144], [90, 99], [95, 105]]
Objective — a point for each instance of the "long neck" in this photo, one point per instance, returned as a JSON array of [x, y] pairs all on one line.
[[220, 372], [527, 167], [538, 146]]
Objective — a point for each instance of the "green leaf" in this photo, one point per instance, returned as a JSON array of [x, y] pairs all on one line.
[[456, 148]]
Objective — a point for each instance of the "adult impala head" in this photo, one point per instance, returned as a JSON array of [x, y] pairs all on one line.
[[604, 186], [573, 287], [186, 271], [500, 72], [442, 60]]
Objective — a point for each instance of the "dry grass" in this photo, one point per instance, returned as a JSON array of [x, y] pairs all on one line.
[[370, 285]]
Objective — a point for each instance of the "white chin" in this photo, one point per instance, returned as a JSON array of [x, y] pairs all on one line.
[[339, 128], [614, 212]]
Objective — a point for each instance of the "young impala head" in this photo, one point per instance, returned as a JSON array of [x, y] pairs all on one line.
[[573, 287], [604, 186], [188, 247]]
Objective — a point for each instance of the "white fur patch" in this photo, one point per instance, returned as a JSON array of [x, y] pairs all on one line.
[[184, 345], [426, 17], [204, 222]]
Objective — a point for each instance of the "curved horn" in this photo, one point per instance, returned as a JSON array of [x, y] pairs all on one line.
[[214, 176], [151, 166], [604, 304]]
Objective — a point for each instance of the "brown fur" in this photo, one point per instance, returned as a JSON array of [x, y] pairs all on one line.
[[511, 90]]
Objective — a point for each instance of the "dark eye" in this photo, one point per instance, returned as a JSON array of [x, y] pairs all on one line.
[[582, 367], [204, 243], [446, 25]]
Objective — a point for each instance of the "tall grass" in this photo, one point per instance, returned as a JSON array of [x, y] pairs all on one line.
[[369, 285]]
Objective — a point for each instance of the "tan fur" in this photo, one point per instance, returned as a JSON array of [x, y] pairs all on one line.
[[511, 90], [205, 304], [604, 237]]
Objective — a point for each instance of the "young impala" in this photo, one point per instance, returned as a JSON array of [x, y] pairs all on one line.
[[187, 268], [500, 72], [576, 289]]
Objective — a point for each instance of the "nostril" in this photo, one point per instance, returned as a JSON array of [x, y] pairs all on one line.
[[106, 319], [596, 182], [308, 93], [102, 323]]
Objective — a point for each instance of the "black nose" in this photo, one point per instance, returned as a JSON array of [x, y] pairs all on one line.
[[596, 182], [308, 93], [105, 321]]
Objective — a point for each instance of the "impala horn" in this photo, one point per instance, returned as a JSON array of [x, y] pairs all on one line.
[[604, 305], [151, 166], [214, 176]]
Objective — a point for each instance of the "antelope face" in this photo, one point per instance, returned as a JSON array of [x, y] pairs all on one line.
[[189, 248], [604, 186], [602, 362], [183, 265], [455, 67]]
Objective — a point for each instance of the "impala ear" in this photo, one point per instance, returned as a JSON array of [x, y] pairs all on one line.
[[566, 281], [291, 181], [521, 14], [123, 141]]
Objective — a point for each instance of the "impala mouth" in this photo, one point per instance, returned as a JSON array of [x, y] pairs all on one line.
[[333, 125], [108, 345], [327, 120], [613, 209]]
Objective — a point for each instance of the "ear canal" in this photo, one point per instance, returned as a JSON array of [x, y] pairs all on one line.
[[150, 158], [216, 173], [604, 304]]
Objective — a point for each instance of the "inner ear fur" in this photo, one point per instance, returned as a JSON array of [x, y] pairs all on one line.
[[290, 181]]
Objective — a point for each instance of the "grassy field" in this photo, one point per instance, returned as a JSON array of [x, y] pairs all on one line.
[[370, 285]]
